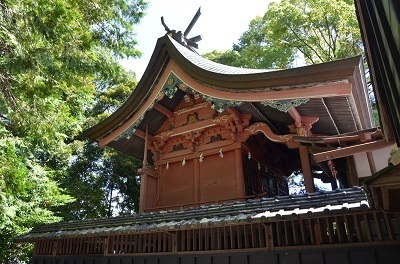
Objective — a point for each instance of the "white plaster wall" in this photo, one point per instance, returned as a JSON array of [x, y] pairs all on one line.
[[380, 156], [362, 166]]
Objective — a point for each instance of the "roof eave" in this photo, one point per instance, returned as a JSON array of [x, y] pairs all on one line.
[[165, 50], [158, 60]]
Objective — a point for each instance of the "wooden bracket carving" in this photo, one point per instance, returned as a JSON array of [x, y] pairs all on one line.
[[302, 124], [260, 127], [194, 138]]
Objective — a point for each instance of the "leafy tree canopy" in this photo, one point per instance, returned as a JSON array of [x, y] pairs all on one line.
[[314, 30], [58, 70]]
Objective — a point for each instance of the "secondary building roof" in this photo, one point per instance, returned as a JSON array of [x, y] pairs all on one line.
[[263, 209]]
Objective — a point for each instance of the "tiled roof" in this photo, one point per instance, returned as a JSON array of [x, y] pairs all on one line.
[[263, 209]]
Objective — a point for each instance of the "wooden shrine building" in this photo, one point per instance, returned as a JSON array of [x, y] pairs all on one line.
[[217, 145]]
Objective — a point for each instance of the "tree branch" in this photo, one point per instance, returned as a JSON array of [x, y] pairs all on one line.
[[319, 45], [304, 42], [330, 34]]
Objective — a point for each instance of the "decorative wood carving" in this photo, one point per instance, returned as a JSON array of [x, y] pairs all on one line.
[[302, 124], [260, 127], [192, 130], [285, 105]]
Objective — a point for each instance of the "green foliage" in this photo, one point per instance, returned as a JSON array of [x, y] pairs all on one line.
[[58, 74], [27, 193], [119, 174], [104, 183], [314, 30]]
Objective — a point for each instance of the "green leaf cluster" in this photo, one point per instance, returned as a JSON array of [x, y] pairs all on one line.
[[312, 31], [59, 73]]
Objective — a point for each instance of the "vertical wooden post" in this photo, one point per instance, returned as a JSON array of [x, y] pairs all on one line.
[[388, 224], [371, 162], [105, 248], [143, 186], [143, 180], [352, 171], [54, 251], [306, 168], [303, 235], [269, 242], [385, 198], [146, 141], [174, 243], [196, 181], [161, 171], [367, 227], [319, 234], [239, 173]]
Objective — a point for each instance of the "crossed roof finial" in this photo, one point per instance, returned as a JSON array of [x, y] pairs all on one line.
[[190, 43]]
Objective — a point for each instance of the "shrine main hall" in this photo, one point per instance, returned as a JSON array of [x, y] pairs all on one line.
[[218, 144]]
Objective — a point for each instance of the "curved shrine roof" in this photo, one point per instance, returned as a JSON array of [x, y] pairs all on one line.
[[335, 90]]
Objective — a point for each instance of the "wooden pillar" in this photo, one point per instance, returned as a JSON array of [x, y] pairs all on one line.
[[352, 177], [146, 141], [143, 187], [239, 173], [161, 171], [196, 180], [143, 180], [306, 168]]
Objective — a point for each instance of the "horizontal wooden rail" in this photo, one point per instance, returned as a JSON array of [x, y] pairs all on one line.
[[363, 228]]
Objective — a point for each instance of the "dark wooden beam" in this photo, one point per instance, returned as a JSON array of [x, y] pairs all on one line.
[[348, 151], [163, 110], [142, 134]]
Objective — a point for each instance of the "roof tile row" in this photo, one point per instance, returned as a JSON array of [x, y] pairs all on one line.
[[263, 209]]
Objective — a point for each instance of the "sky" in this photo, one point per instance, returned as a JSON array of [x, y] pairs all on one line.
[[221, 24]]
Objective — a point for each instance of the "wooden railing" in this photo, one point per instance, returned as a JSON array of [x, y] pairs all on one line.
[[337, 229], [141, 243], [340, 229]]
